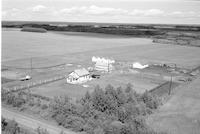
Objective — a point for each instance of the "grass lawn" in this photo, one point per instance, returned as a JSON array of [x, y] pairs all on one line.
[[5, 80], [76, 91], [60, 88]]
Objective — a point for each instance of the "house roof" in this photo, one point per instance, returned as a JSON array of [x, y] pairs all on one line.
[[81, 72]]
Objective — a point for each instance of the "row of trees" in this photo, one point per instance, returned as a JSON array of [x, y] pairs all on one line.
[[108, 111], [21, 98], [103, 111]]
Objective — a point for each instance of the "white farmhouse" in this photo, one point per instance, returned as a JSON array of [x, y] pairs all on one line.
[[78, 76]]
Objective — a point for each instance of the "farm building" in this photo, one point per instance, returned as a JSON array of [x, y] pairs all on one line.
[[103, 64], [139, 65], [78, 76]]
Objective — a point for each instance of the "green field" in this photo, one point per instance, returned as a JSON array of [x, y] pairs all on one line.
[[51, 48], [22, 45], [59, 88]]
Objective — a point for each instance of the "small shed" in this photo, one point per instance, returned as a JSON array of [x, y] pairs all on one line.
[[78, 76], [139, 65]]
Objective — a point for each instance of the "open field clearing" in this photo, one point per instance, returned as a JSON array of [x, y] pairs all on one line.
[[49, 49], [61, 87], [53, 58], [21, 45], [181, 114], [56, 54]]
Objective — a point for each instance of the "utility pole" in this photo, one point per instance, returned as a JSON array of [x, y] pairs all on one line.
[[31, 64], [108, 67], [170, 86]]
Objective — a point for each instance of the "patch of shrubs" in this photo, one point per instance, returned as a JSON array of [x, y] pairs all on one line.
[[108, 111], [44, 106], [103, 111], [12, 127], [16, 100], [19, 99], [40, 130]]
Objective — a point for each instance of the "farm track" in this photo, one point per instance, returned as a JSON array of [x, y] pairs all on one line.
[[33, 123]]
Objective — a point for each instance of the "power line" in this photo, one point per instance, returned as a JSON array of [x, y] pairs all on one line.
[[34, 67]]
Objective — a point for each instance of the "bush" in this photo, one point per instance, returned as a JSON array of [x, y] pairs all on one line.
[[40, 130], [151, 101], [74, 122], [44, 106], [129, 87], [109, 111], [3, 123], [60, 118], [121, 97], [99, 130], [12, 127], [18, 102]]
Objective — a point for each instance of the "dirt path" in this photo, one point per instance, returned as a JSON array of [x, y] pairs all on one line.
[[31, 122], [181, 114]]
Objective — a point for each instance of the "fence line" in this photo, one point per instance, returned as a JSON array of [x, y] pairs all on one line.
[[32, 84]]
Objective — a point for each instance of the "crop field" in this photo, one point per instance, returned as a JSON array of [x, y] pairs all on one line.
[[48, 49], [28, 44], [51, 50]]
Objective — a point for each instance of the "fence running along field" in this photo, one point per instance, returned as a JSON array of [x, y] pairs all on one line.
[[164, 88], [32, 84], [46, 67]]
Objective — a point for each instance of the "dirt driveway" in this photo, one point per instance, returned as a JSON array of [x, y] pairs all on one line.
[[31, 122]]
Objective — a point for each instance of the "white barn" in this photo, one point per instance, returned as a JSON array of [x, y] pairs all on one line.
[[78, 76], [103, 64]]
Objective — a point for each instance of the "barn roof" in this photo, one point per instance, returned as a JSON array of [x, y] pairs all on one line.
[[102, 64], [81, 72]]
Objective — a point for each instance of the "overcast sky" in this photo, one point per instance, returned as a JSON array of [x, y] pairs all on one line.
[[117, 11]]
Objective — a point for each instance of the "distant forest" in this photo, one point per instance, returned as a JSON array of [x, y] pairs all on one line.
[[119, 29], [188, 35]]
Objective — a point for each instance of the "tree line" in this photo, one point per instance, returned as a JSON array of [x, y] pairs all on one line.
[[106, 111], [103, 111]]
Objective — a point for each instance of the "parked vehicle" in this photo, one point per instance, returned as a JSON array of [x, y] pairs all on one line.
[[27, 77]]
